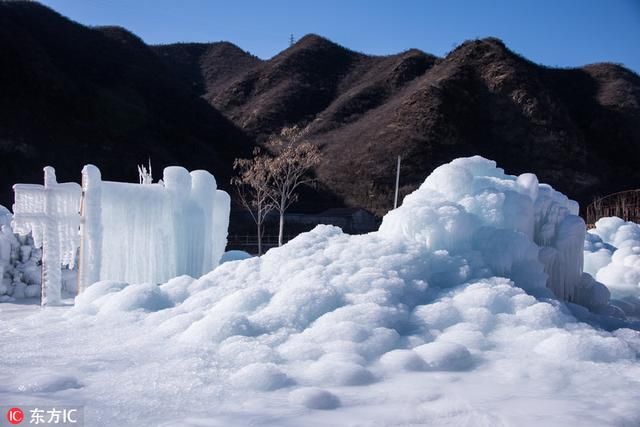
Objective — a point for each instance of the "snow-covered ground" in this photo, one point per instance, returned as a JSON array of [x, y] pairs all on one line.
[[443, 317], [612, 256]]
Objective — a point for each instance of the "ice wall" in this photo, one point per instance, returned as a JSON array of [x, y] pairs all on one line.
[[51, 214], [521, 229], [128, 232], [152, 232], [137, 233]]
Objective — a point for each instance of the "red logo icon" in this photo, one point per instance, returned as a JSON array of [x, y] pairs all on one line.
[[15, 415]]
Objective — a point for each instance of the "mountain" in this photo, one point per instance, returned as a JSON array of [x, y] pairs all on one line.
[[207, 67], [71, 95], [578, 129]]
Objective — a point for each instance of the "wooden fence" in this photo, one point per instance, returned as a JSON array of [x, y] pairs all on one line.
[[624, 204], [249, 242]]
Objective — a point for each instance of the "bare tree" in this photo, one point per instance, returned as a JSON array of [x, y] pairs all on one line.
[[253, 190], [288, 168]]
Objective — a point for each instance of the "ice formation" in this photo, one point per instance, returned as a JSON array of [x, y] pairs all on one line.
[[20, 271], [152, 232], [443, 317], [221, 224], [520, 228], [612, 256], [20, 264], [128, 232], [50, 212]]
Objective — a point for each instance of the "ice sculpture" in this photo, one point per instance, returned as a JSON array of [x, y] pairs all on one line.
[[126, 232], [20, 263], [152, 232], [51, 213]]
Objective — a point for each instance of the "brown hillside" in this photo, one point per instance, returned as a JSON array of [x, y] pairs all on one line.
[[578, 129], [73, 95]]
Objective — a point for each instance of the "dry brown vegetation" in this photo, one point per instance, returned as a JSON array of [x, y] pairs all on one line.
[[271, 180]]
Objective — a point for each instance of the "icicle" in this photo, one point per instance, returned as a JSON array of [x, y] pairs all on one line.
[[51, 214], [145, 175], [130, 232], [90, 227], [151, 233], [203, 191]]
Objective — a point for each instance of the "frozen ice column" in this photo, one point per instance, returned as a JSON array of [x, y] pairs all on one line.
[[203, 191], [90, 227], [185, 217], [201, 217], [559, 232], [51, 214], [220, 225]]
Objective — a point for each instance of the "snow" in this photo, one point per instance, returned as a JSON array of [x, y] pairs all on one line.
[[260, 376], [513, 222], [446, 316], [612, 256], [314, 398], [402, 360], [444, 355]]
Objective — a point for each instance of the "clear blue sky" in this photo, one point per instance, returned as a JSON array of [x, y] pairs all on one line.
[[550, 32]]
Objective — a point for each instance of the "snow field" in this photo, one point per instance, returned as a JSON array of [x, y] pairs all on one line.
[[364, 315], [446, 316]]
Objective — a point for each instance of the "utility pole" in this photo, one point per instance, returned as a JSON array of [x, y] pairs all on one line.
[[291, 40], [395, 200]]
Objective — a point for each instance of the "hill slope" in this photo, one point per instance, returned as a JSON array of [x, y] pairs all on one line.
[[73, 95], [578, 129]]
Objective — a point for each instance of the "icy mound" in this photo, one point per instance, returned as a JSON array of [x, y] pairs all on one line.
[[612, 256], [327, 314], [456, 284], [519, 228], [444, 317], [328, 306]]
